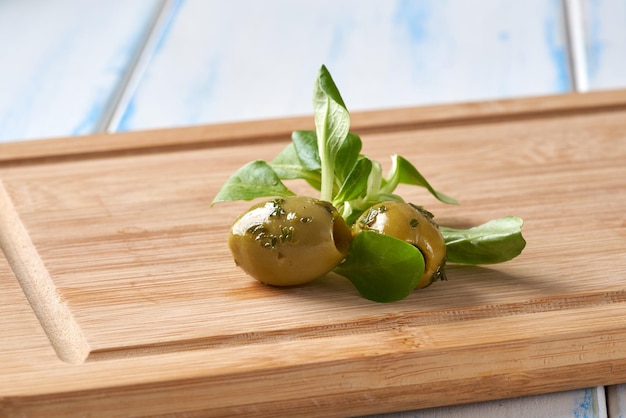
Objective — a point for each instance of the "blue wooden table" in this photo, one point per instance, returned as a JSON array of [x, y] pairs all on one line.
[[74, 67]]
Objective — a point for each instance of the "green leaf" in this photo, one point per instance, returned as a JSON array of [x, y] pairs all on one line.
[[255, 179], [403, 172], [381, 267], [374, 182], [355, 184], [288, 166], [332, 124], [327, 85], [493, 242], [347, 156], [305, 143]]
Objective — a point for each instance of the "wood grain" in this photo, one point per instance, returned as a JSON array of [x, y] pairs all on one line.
[[137, 258]]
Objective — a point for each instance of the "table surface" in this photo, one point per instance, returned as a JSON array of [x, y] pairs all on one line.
[[72, 68]]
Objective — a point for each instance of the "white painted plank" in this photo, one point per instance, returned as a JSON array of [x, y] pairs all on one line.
[[605, 31], [224, 61], [61, 62], [587, 403]]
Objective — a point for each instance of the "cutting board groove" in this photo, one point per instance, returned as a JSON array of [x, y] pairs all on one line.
[[371, 325], [54, 315]]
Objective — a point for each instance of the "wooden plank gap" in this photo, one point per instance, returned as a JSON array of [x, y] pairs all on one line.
[[122, 95], [574, 28]]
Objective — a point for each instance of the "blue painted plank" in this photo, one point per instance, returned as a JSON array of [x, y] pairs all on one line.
[[225, 61], [62, 60], [605, 30], [587, 403]]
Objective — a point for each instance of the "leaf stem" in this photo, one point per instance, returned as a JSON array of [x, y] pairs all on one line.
[[326, 160], [326, 192]]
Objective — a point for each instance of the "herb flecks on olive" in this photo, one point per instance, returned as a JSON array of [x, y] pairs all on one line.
[[289, 241], [414, 225]]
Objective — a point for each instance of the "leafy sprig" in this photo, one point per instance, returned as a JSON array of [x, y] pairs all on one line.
[[330, 160]]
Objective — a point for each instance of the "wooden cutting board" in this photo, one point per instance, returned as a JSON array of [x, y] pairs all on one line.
[[131, 305]]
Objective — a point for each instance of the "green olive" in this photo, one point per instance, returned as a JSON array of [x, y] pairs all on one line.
[[289, 241], [414, 225]]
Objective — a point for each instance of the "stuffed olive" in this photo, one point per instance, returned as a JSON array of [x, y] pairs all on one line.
[[414, 225], [289, 241]]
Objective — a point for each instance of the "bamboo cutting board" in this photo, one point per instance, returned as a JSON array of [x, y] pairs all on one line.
[[130, 304]]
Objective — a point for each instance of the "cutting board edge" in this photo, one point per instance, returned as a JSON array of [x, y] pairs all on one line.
[[368, 384], [279, 129]]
